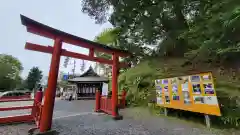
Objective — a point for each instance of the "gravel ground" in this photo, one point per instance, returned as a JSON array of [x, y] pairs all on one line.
[[91, 124], [16, 129], [77, 118], [136, 122]]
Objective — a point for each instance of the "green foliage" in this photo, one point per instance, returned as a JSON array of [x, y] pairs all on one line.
[[34, 78], [216, 31], [188, 36], [10, 68], [139, 81], [204, 27]]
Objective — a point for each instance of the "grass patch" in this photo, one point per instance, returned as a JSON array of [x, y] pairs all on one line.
[[139, 82]]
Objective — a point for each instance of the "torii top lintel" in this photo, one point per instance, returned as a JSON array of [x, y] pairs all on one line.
[[49, 32]]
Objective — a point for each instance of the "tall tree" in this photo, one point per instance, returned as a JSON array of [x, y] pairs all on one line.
[[34, 78], [108, 37], [174, 27], [10, 68]]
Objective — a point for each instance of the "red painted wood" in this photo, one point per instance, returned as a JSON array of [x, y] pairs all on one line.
[[37, 100], [12, 119], [16, 108], [16, 97], [86, 57], [47, 34], [16, 100], [39, 48], [38, 31], [50, 92], [114, 85], [91, 52], [123, 99], [49, 49], [105, 105], [97, 104]]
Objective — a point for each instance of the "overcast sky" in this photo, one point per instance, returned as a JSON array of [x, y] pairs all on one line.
[[65, 15]]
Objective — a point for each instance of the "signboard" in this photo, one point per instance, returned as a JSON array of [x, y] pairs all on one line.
[[65, 77], [105, 89], [194, 93]]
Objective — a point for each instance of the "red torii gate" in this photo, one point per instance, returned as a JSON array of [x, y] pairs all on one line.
[[59, 37]]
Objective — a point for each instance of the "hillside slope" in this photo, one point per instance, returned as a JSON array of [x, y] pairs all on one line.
[[139, 81]]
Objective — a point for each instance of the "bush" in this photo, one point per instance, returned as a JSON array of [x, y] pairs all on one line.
[[139, 82]]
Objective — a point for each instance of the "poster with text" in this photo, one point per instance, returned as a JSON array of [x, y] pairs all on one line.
[[208, 88], [196, 89], [193, 93], [160, 100], [211, 100]]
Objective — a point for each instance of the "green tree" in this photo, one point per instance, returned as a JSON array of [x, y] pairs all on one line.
[[192, 28], [34, 78], [10, 68]]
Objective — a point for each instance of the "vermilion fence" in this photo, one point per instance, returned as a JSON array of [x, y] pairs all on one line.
[[36, 112], [33, 116], [12, 98], [106, 103], [103, 103], [19, 118]]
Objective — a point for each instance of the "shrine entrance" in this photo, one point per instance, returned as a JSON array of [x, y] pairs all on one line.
[[87, 84], [59, 37]]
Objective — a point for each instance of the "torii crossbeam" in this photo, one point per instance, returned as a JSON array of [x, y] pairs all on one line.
[[59, 37]]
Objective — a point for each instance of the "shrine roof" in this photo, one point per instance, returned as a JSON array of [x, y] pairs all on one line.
[[89, 72], [89, 79], [34, 24], [89, 76]]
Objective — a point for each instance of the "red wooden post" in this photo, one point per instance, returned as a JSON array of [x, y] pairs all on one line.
[[114, 85], [46, 120], [123, 102], [37, 98], [97, 106]]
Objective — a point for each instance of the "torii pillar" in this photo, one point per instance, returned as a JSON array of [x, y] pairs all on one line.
[[115, 86], [47, 112], [59, 37]]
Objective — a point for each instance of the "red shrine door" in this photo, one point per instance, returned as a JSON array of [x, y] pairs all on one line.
[[59, 37]]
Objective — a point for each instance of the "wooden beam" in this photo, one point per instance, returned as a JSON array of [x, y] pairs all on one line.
[[91, 52], [39, 48], [21, 118], [16, 108], [68, 40], [40, 32], [85, 57], [49, 49]]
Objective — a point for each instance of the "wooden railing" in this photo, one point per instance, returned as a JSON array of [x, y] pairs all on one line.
[[36, 112], [18, 118], [105, 103], [15, 98], [36, 109]]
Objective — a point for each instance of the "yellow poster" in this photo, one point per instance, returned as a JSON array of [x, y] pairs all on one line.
[[194, 93]]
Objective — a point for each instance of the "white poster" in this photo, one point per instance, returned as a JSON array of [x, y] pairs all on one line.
[[211, 100], [159, 100], [105, 89]]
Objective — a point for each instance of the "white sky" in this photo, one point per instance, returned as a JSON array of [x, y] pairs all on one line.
[[65, 15]]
